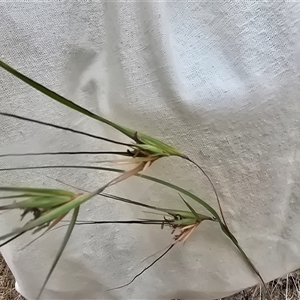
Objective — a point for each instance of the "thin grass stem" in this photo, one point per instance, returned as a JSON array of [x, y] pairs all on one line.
[[144, 270], [11, 239], [66, 153], [63, 128], [213, 186]]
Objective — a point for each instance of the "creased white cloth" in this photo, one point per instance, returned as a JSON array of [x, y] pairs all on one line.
[[218, 80]]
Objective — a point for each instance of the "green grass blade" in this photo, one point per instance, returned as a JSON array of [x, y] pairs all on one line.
[[253, 268], [158, 147], [191, 209], [213, 187], [125, 200], [53, 214], [183, 191], [15, 196], [36, 202], [174, 212], [38, 191], [62, 248], [64, 100]]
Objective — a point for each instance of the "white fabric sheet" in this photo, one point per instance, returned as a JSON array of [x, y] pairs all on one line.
[[218, 80]]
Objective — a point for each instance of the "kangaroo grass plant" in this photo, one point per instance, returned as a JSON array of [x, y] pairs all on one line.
[[50, 206]]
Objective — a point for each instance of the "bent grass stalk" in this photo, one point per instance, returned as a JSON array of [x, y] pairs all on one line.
[[144, 151]]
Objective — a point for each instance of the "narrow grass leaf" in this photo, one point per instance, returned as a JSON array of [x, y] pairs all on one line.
[[53, 214], [40, 203], [174, 212], [213, 186], [38, 191], [65, 241], [137, 222], [191, 209], [15, 196], [63, 100]]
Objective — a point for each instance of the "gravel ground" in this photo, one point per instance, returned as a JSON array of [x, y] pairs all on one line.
[[7, 283]]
